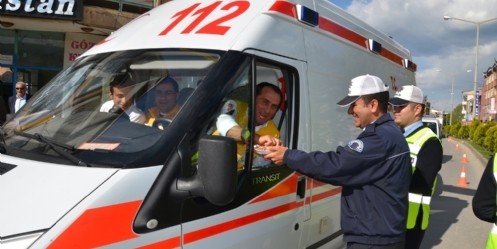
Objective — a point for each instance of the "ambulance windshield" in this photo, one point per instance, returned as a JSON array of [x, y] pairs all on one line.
[[120, 102]]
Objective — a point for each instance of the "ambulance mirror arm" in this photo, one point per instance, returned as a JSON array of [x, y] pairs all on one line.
[[216, 177]]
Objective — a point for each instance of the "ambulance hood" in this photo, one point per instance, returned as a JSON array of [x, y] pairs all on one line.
[[185, 24], [35, 195]]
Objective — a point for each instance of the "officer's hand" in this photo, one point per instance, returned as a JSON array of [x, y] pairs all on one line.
[[276, 155]]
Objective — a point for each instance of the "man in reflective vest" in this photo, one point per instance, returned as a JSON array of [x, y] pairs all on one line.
[[233, 122], [426, 157], [485, 201]]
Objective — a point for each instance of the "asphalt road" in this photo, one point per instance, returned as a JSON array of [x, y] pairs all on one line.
[[452, 222]]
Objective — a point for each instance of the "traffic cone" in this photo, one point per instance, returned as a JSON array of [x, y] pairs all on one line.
[[462, 178], [464, 159], [457, 146]]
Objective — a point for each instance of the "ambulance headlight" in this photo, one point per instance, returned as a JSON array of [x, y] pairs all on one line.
[[21, 241]]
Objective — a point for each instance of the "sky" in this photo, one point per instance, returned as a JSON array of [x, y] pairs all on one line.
[[444, 50]]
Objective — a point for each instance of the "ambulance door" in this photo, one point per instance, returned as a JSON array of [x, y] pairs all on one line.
[[292, 132], [270, 206]]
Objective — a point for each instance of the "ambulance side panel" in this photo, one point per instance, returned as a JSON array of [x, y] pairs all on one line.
[[336, 52], [333, 60]]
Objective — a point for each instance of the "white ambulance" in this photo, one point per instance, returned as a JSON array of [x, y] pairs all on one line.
[[72, 176]]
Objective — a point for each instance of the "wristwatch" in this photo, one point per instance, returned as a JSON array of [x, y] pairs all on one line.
[[245, 135]]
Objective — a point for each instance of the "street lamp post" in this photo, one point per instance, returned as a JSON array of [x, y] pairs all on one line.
[[452, 76], [451, 100], [475, 78]]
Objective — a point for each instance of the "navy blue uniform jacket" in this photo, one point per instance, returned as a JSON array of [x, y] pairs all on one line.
[[374, 171]]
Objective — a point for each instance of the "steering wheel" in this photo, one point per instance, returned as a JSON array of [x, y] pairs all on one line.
[[162, 123]]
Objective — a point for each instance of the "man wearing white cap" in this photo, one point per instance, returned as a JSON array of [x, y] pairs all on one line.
[[373, 169], [426, 156]]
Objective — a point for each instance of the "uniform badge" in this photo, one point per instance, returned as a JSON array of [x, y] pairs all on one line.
[[356, 145]]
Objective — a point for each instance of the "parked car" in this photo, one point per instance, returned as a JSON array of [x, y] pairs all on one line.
[[434, 124]]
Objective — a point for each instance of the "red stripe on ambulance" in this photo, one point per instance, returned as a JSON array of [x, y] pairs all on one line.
[[111, 224], [100, 226]]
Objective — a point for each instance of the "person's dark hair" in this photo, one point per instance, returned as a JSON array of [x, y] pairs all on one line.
[[276, 89], [423, 108], [120, 80], [169, 80], [382, 98]]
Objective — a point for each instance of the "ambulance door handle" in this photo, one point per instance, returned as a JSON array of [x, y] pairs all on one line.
[[301, 187]]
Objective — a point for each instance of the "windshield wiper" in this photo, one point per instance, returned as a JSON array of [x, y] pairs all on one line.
[[55, 146]]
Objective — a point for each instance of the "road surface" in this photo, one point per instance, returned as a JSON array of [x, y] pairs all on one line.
[[452, 222]]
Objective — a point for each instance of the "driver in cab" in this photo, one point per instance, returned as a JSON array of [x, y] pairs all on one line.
[[122, 94], [166, 101]]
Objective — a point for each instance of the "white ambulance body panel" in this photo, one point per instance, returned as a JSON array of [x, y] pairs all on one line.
[[194, 24], [38, 186], [76, 177]]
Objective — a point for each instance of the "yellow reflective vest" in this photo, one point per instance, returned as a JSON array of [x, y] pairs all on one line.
[[416, 142], [241, 117], [492, 237]]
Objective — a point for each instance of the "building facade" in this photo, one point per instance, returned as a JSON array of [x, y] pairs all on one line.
[[467, 106], [489, 92], [39, 38]]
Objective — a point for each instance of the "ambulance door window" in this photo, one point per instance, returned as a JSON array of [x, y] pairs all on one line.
[[257, 104], [270, 117], [234, 115]]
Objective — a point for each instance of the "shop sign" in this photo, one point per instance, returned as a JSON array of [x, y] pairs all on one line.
[[6, 59], [54, 9], [477, 104], [78, 43]]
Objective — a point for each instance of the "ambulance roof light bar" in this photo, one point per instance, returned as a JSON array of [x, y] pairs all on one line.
[[409, 65], [374, 46], [307, 16]]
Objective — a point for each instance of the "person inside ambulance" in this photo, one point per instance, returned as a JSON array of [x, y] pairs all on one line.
[[122, 93], [233, 122], [166, 102]]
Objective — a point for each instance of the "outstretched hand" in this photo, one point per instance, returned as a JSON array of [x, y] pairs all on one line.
[[276, 155], [266, 140]]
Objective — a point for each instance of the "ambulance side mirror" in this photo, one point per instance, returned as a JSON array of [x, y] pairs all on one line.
[[216, 176]]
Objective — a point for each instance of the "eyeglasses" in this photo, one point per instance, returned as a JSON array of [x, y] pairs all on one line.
[[20, 88]]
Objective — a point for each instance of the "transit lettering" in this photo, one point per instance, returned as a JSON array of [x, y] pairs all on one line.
[[266, 178]]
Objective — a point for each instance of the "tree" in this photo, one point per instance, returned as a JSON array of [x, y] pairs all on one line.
[[488, 141], [457, 115], [476, 130], [463, 132]]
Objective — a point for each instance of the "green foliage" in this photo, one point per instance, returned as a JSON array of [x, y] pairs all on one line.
[[457, 115], [454, 129], [489, 139], [484, 135], [479, 134], [463, 132], [473, 128], [494, 149]]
